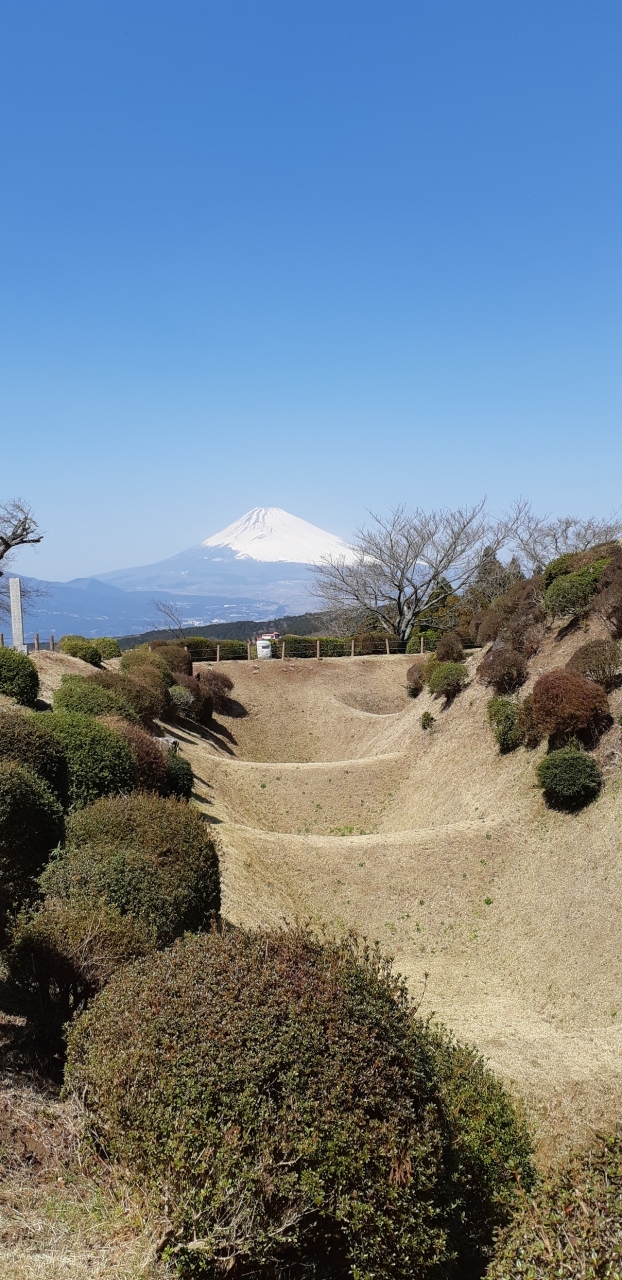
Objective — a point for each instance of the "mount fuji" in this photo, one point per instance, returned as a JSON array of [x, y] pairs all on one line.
[[261, 566]]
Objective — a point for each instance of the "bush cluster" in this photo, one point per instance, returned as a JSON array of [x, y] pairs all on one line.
[[26, 738], [176, 656], [289, 1077], [31, 824], [503, 667], [99, 761], [19, 677], [569, 778], [503, 714], [572, 1226], [567, 705], [515, 618], [144, 691], [81, 694], [414, 679], [150, 761], [449, 648], [218, 686], [179, 776], [447, 679], [191, 699], [80, 647], [598, 660], [570, 593], [135, 661]]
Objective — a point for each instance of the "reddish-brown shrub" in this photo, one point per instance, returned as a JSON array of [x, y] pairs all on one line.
[[608, 602], [152, 681], [567, 705], [149, 759], [527, 727], [414, 679], [598, 660], [202, 702], [489, 625], [503, 668], [218, 685], [143, 701], [449, 648]]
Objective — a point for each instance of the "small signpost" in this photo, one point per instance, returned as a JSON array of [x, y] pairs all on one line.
[[17, 617]]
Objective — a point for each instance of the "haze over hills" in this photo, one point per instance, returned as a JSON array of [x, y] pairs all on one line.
[[261, 566]]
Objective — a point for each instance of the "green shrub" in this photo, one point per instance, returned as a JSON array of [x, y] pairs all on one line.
[[176, 657], [598, 660], [569, 778], [566, 705], [135, 661], [108, 647], [31, 824], [447, 679], [201, 707], [26, 738], [150, 771], [449, 648], [562, 565], [232, 649], [503, 668], [414, 642], [83, 695], [201, 648], [181, 700], [289, 1078], [63, 952], [98, 759], [427, 720], [161, 867], [179, 775], [80, 647], [144, 692], [503, 715], [573, 1226], [19, 677], [569, 594], [414, 679]]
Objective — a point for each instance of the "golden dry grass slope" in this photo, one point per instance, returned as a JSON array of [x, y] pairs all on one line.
[[334, 805]]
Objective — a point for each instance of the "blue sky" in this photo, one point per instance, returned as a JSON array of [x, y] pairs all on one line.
[[328, 256]]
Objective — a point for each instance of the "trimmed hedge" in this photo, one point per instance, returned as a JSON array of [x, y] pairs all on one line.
[[179, 775], [26, 738], [598, 660], [217, 685], [134, 661], [80, 647], [144, 691], [572, 1227], [99, 761], [570, 593], [176, 656], [569, 778], [449, 648], [504, 718], [108, 647], [31, 824], [504, 668], [83, 695], [181, 700], [448, 679], [19, 677], [289, 1078], [150, 768], [414, 679], [566, 704], [170, 887]]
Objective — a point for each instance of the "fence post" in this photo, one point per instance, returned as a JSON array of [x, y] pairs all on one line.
[[283, 651], [248, 650], [387, 648], [1, 640], [422, 644], [218, 653], [318, 649], [36, 641], [51, 644], [352, 648]]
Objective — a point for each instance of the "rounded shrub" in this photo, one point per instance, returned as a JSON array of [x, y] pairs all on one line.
[[99, 761], [108, 647], [63, 952], [19, 677], [570, 593], [150, 767], [449, 648], [179, 775], [504, 668], [168, 879], [83, 695], [572, 1226], [414, 679], [31, 824], [448, 678], [202, 706], [147, 697], [288, 1077], [569, 778], [487, 626], [566, 704], [80, 647], [176, 658], [427, 720], [134, 661], [25, 737], [181, 700], [555, 568], [529, 731], [598, 660], [504, 718], [218, 686]]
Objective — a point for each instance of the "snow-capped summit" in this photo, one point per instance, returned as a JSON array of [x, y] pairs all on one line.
[[271, 534]]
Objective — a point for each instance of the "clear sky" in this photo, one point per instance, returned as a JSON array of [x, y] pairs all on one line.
[[327, 255]]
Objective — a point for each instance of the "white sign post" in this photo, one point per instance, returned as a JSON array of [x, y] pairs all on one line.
[[17, 617]]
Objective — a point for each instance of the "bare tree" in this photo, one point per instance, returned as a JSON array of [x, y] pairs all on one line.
[[405, 559], [540, 539], [173, 617], [18, 528]]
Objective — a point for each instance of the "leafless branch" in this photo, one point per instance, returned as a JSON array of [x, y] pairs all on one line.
[[541, 539], [18, 528], [173, 617]]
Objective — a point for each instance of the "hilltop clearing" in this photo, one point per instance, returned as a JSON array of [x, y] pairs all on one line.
[[333, 804]]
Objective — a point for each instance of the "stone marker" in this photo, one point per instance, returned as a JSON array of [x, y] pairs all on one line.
[[17, 618]]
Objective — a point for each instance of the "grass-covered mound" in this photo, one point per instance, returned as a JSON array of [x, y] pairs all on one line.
[[26, 737], [290, 1116], [31, 824], [19, 677], [99, 761], [151, 857], [573, 1226]]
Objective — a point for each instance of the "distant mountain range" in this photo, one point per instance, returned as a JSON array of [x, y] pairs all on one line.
[[262, 566]]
